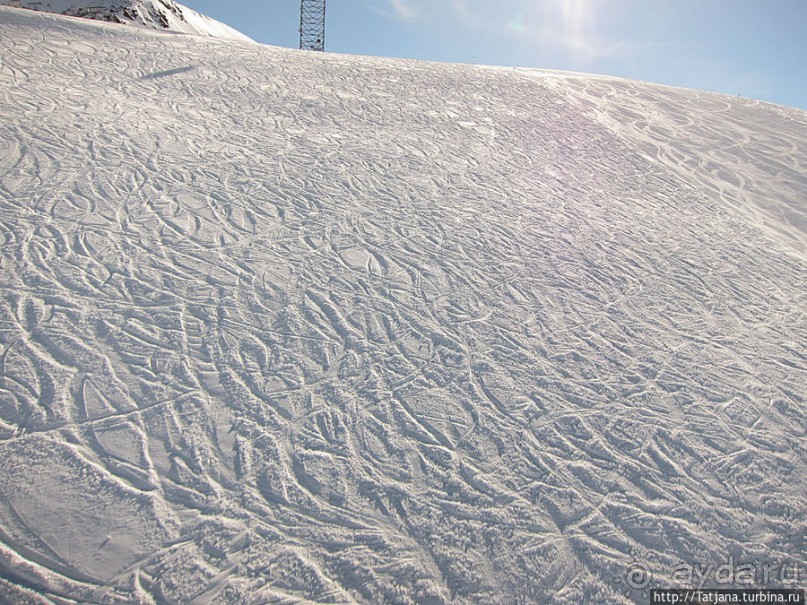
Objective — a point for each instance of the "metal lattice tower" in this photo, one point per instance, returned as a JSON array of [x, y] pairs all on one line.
[[312, 25]]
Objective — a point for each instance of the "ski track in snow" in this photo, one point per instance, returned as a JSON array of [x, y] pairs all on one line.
[[286, 327]]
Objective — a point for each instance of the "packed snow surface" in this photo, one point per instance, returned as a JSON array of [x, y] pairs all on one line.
[[155, 14], [283, 327]]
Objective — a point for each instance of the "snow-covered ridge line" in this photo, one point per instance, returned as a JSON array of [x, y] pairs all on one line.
[[153, 14], [283, 327]]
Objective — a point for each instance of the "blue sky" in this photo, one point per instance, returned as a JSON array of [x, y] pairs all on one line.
[[753, 48]]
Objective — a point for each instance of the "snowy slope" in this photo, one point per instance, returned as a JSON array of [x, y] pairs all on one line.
[[293, 327], [154, 14]]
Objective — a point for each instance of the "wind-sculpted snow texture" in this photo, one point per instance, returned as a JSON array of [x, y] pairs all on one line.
[[284, 327]]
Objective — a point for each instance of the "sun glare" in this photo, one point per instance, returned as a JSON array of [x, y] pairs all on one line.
[[578, 17]]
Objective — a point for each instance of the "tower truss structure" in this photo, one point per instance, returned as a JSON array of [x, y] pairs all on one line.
[[312, 25]]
